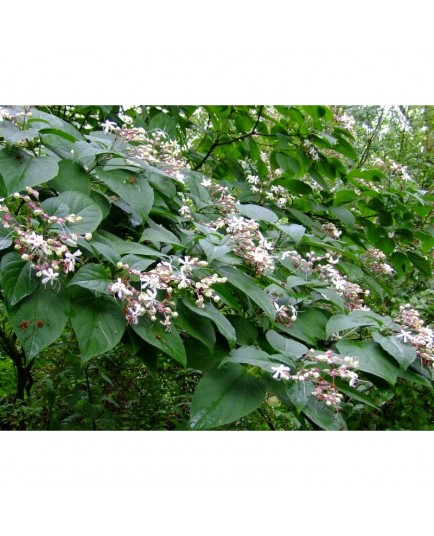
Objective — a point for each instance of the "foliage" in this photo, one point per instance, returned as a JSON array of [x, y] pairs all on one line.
[[197, 267]]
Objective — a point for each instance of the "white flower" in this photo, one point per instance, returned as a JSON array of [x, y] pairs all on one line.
[[184, 210], [50, 276], [405, 335], [70, 259], [281, 372], [108, 125], [119, 289], [206, 183]]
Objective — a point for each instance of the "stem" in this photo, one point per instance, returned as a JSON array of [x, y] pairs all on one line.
[[89, 394]]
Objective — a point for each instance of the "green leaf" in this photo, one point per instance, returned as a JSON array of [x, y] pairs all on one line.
[[71, 176], [5, 236], [340, 322], [79, 204], [39, 319], [299, 393], [92, 277], [294, 231], [401, 263], [354, 394], [98, 323], [18, 280], [159, 234], [12, 134], [224, 395], [198, 327], [246, 330], [219, 319], [286, 346], [420, 262], [403, 353], [288, 163], [372, 358], [132, 188], [168, 342], [251, 355], [344, 215], [19, 169], [309, 326], [250, 287], [323, 416], [255, 212]]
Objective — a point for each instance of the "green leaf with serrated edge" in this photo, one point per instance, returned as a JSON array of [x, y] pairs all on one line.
[[250, 287], [340, 322], [98, 322], [71, 176], [79, 204], [323, 416], [17, 278], [39, 319], [257, 213], [132, 188], [92, 277], [371, 357], [285, 345], [224, 395], [294, 231], [198, 327], [219, 319], [19, 169], [169, 342], [403, 353]]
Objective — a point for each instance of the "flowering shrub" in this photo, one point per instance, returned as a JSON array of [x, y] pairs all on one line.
[[244, 264]]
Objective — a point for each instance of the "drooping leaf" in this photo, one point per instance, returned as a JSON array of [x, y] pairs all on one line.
[[224, 395], [249, 286], [219, 319], [18, 280], [98, 323], [372, 358], [20, 169], [92, 277], [403, 353], [285, 345], [39, 319], [76, 203], [132, 188], [168, 342]]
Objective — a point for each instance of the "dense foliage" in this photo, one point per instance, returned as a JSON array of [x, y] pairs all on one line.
[[230, 267]]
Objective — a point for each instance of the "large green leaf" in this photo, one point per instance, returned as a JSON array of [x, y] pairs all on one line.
[[372, 358], [12, 134], [294, 231], [299, 393], [168, 342], [286, 346], [340, 322], [19, 169], [39, 319], [71, 176], [98, 323], [323, 416], [309, 326], [76, 203], [17, 278], [403, 353], [251, 355], [219, 319], [255, 212], [250, 287], [132, 188], [93, 277], [198, 327], [224, 395]]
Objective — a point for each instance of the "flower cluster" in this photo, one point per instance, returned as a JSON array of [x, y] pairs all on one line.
[[153, 147], [310, 150], [374, 261], [244, 236], [414, 332], [47, 254], [155, 295], [276, 194], [388, 165], [285, 314], [330, 366], [331, 230]]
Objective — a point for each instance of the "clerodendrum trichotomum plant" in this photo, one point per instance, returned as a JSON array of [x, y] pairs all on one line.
[[247, 251]]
